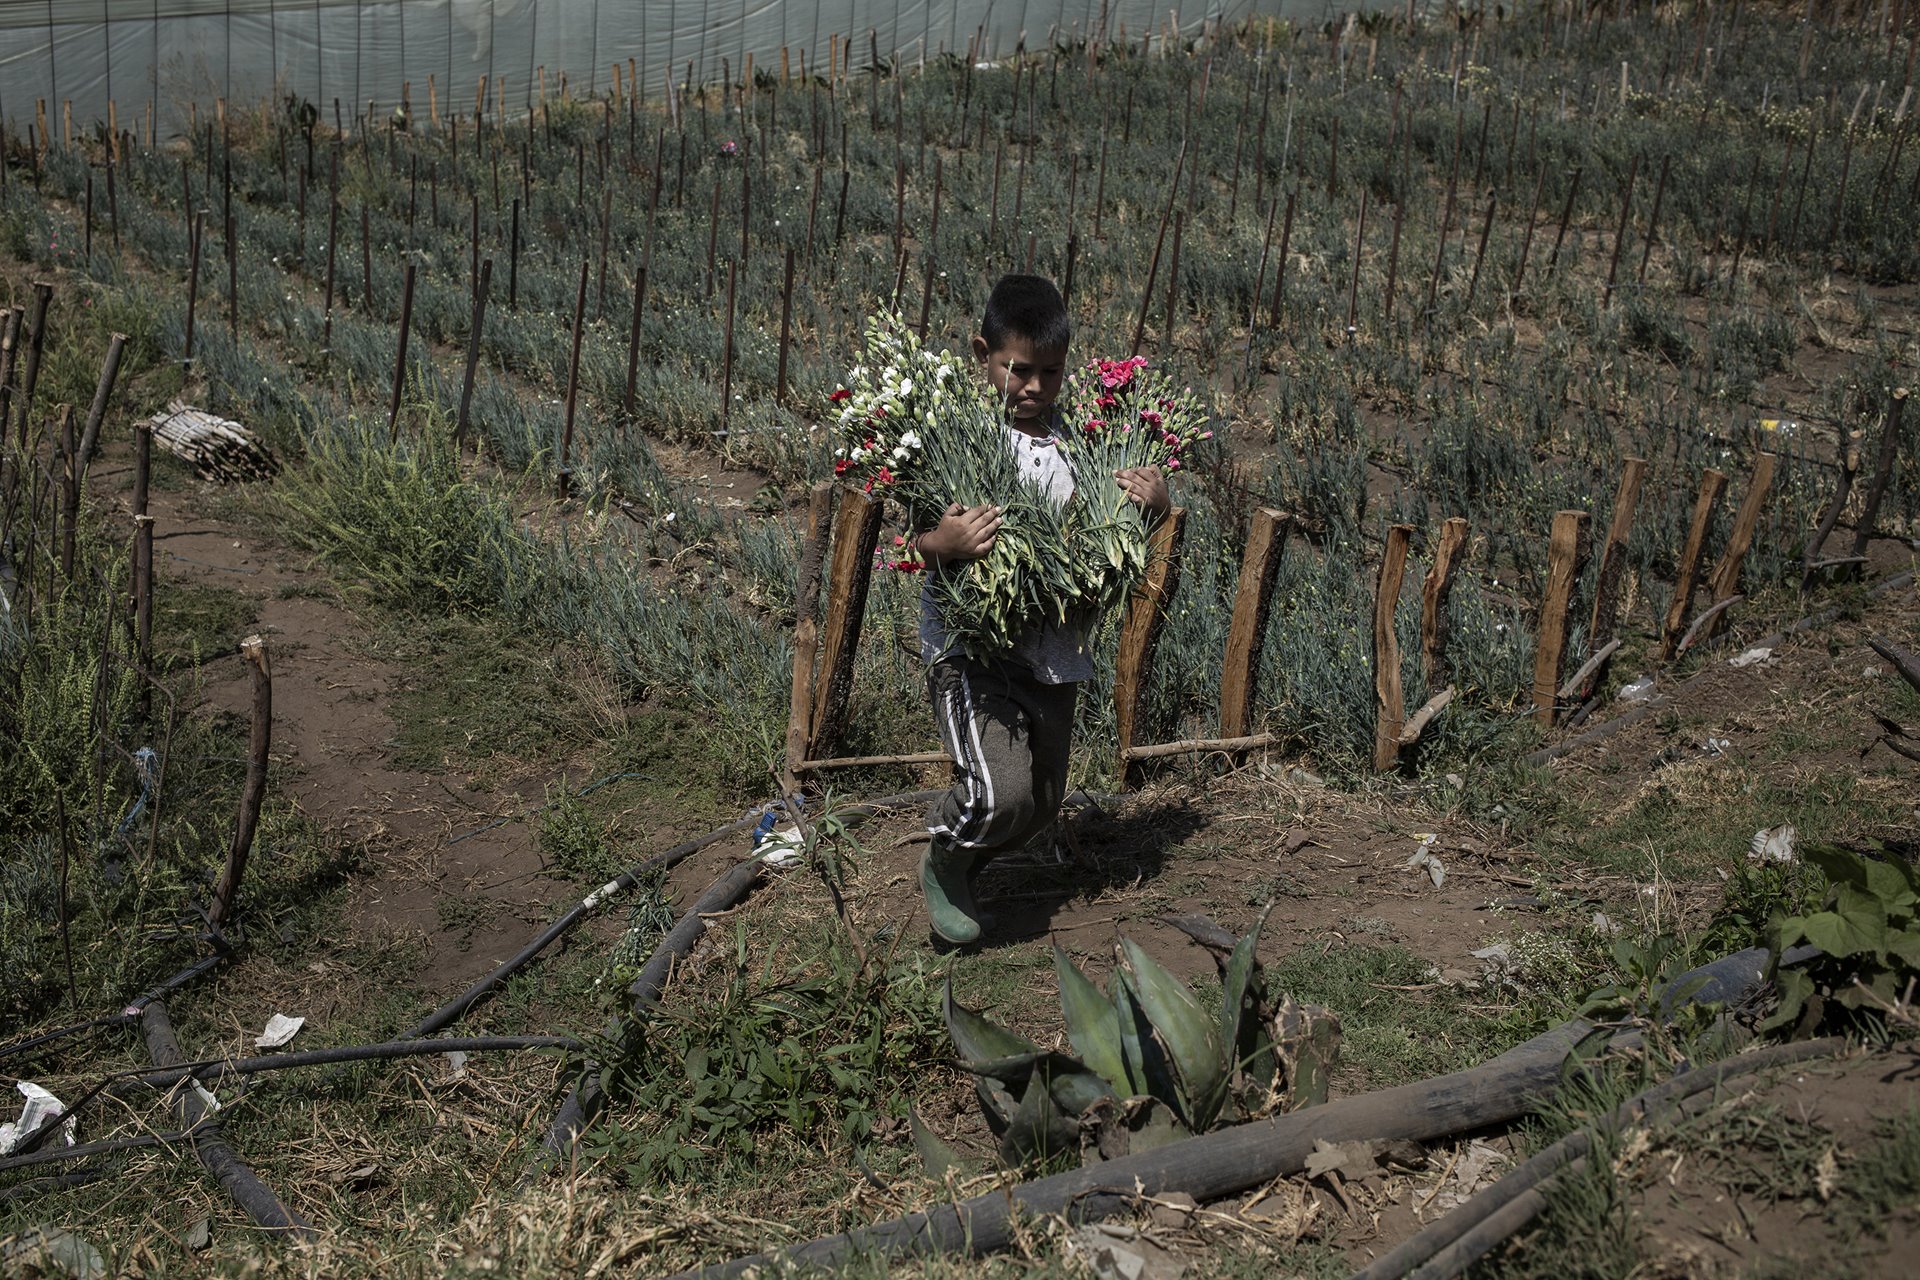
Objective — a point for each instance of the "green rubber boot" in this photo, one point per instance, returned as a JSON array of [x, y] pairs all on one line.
[[950, 905]]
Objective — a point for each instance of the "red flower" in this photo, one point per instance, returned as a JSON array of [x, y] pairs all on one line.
[[841, 394], [840, 467], [886, 476]]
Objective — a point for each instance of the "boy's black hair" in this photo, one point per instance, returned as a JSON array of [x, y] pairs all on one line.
[[1027, 307]]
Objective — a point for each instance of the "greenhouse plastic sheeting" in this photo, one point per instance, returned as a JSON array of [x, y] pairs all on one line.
[[163, 56]]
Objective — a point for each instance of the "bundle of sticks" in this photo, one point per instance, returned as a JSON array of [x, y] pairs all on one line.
[[216, 448]]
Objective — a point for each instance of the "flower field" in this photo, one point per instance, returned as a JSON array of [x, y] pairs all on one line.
[[1504, 362]]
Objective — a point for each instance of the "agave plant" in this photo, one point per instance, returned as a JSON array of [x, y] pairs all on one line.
[[1154, 1064]]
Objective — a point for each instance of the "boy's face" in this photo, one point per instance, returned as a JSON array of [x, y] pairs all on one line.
[[1026, 377]]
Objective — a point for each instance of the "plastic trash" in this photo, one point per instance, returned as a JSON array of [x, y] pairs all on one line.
[[40, 1107], [1636, 690], [280, 1029], [1424, 858], [1774, 844], [1750, 657]]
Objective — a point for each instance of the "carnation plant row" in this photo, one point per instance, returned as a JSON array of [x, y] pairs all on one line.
[[1383, 276]]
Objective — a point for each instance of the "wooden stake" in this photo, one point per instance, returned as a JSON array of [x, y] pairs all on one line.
[[1153, 267], [786, 329], [1606, 594], [513, 260], [259, 740], [628, 407], [726, 356], [573, 373], [1849, 470], [1566, 554], [1724, 582], [1390, 710], [1882, 471], [1480, 254], [481, 288], [1359, 248], [1246, 636], [400, 354], [193, 287], [856, 532], [1566, 213], [1280, 270], [1140, 630], [1712, 484], [806, 627], [1653, 218], [1436, 589]]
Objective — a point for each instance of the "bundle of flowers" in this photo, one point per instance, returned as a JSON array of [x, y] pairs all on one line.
[[921, 428]]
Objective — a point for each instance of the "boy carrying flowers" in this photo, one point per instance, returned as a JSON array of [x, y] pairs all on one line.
[[1031, 500]]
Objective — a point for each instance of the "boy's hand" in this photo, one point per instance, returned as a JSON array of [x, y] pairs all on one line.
[[964, 533], [1147, 487]]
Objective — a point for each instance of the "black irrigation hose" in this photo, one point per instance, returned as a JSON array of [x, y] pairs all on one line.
[[1453, 1243], [56, 1182], [51, 1037], [1233, 1160], [106, 1146], [216, 1069], [241, 1183], [130, 1014], [457, 1007], [1601, 732], [584, 1100]]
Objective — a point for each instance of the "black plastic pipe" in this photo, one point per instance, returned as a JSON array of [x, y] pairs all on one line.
[[457, 1007], [240, 1182], [1229, 1161], [1470, 1231]]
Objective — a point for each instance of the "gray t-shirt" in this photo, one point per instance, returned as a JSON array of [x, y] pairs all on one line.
[[1055, 654]]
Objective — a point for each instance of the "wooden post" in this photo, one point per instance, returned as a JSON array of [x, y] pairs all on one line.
[[1252, 602], [1359, 248], [193, 289], [1566, 212], [254, 650], [1436, 589], [1811, 562], [633, 341], [1606, 594], [786, 330], [1480, 254], [1566, 553], [573, 372], [513, 260], [1389, 700], [1140, 630], [726, 355], [1712, 484], [400, 354], [806, 627], [856, 531], [1654, 217], [1280, 270], [480, 290], [1883, 469], [1724, 582], [1620, 233], [1153, 267], [333, 243], [142, 585]]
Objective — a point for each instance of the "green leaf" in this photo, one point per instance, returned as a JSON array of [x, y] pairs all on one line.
[[1795, 986], [1191, 1037], [975, 1038], [1037, 1129], [1857, 925], [1148, 1073], [1092, 1024], [935, 1153], [1239, 1019]]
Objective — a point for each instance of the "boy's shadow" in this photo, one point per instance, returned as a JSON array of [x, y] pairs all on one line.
[[1090, 850]]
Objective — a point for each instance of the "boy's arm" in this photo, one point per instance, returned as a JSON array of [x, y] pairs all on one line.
[[964, 533]]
